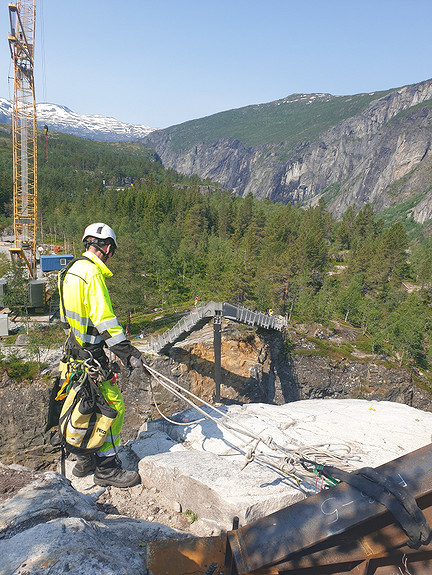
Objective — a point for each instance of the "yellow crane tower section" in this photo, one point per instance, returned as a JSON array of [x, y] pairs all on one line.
[[24, 131]]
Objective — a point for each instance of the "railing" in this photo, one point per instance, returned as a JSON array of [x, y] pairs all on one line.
[[204, 312]]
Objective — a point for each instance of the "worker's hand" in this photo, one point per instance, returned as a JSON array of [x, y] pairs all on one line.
[[139, 363]]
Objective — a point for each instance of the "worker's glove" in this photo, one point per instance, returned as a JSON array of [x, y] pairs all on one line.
[[139, 363]]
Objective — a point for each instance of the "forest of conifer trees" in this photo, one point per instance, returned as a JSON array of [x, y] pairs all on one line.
[[180, 237]]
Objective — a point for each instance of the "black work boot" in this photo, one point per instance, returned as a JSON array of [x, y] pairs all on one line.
[[110, 472], [85, 464]]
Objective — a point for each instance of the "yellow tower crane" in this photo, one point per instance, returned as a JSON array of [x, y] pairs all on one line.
[[24, 132]]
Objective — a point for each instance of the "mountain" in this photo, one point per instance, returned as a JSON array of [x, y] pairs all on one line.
[[348, 150], [61, 119]]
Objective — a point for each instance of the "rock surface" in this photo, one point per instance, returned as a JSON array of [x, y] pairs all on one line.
[[48, 526], [204, 472], [255, 368], [53, 525]]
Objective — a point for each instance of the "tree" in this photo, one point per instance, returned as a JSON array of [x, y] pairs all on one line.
[[193, 244], [311, 242], [390, 260], [344, 230], [364, 227], [406, 328], [126, 285], [219, 260], [243, 217], [17, 295], [350, 299], [421, 260]]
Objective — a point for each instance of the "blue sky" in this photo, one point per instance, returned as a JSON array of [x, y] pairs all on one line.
[[162, 62]]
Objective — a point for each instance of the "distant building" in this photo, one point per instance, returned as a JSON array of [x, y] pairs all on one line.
[[55, 262]]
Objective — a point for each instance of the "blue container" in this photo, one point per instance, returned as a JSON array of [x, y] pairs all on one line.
[[55, 262]]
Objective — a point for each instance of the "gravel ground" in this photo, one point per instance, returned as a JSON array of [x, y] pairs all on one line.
[[12, 479], [141, 503], [136, 502]]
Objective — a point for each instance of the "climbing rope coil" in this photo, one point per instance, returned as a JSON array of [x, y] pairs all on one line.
[[298, 464]]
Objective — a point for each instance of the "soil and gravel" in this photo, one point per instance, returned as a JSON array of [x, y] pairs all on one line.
[[136, 502], [149, 504], [12, 479]]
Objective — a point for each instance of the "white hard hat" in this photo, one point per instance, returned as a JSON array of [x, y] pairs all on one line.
[[100, 231]]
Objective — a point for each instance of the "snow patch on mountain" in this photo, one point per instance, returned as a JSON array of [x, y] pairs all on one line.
[[93, 127]]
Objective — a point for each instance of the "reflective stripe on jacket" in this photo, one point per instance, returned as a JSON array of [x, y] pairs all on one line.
[[87, 303]]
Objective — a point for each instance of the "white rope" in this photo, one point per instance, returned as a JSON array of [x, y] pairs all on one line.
[[171, 386], [167, 418], [291, 465]]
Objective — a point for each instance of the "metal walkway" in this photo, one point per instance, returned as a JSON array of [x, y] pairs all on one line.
[[203, 313]]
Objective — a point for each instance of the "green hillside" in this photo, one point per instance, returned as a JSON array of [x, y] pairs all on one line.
[[179, 239], [299, 118], [77, 169]]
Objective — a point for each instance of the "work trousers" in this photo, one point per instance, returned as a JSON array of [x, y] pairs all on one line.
[[114, 398]]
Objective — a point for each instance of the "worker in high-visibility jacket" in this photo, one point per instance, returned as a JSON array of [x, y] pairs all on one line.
[[87, 315]]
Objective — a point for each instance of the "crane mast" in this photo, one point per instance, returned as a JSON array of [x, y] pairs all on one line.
[[22, 17]]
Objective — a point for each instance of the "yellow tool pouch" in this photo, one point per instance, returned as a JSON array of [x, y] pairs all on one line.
[[85, 418]]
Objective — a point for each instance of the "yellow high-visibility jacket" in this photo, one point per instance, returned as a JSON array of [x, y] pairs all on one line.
[[88, 310]]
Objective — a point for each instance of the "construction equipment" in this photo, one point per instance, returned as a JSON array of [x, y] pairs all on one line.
[[24, 132]]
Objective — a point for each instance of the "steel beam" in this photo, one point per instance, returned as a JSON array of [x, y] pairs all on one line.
[[322, 517], [378, 538]]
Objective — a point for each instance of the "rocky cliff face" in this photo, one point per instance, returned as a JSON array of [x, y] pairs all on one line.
[[381, 156], [257, 368]]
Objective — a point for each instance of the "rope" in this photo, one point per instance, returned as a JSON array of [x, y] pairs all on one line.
[[296, 464], [175, 387], [167, 418]]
